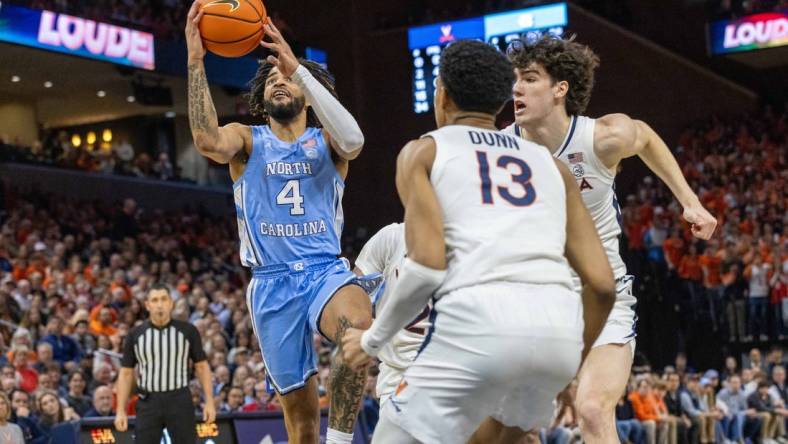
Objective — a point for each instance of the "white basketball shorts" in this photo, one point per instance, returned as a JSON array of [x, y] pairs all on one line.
[[503, 350]]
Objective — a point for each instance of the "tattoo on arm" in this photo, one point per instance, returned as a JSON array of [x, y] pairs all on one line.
[[347, 387], [202, 114]]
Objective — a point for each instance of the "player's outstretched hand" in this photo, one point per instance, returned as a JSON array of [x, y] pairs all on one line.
[[703, 223], [352, 353], [194, 46], [285, 61]]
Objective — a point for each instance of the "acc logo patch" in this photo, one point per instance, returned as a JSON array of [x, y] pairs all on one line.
[[578, 171]]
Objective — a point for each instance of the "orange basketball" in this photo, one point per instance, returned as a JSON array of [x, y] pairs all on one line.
[[232, 28]]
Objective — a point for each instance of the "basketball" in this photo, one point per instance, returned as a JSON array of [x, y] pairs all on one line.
[[232, 28]]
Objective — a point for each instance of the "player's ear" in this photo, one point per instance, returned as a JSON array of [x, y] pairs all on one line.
[[440, 94], [561, 89]]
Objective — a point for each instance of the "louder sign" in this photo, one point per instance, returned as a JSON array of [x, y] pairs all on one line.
[[756, 31], [77, 36]]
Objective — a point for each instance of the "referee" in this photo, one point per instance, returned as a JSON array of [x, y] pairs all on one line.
[[161, 347]]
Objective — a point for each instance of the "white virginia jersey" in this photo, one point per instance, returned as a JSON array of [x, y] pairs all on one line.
[[504, 209], [383, 254], [596, 182]]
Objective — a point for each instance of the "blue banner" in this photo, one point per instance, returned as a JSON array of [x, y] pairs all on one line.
[[77, 36], [444, 33]]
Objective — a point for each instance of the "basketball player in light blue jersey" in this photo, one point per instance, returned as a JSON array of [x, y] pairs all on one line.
[[288, 179]]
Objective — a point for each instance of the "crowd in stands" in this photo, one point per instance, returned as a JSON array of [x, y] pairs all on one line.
[[736, 284], [116, 158], [731, 404], [73, 278]]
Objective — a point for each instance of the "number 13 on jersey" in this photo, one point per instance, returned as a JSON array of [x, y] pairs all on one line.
[[522, 195], [291, 195]]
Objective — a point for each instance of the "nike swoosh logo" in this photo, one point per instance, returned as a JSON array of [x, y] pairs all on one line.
[[234, 4]]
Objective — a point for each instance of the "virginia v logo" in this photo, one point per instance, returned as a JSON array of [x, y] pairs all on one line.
[[234, 4], [446, 34]]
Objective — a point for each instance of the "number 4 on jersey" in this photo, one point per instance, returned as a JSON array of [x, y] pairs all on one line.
[[291, 195]]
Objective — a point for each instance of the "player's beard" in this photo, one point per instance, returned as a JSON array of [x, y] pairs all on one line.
[[284, 112]]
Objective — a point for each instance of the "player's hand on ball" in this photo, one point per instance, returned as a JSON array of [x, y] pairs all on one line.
[[352, 353], [703, 223], [285, 61], [194, 46], [209, 412], [121, 421]]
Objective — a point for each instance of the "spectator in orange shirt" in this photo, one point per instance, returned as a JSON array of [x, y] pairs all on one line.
[[92, 269], [102, 319], [691, 273], [20, 270], [674, 249], [710, 263], [119, 281], [645, 409], [667, 424]]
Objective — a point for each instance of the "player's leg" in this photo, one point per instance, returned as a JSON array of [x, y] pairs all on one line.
[[279, 313], [601, 381], [302, 413], [606, 370], [349, 307]]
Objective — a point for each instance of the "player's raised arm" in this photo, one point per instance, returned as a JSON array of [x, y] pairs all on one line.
[[619, 136], [217, 143], [422, 272], [345, 135], [588, 258]]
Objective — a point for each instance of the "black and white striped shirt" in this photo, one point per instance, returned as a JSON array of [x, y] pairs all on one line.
[[162, 354]]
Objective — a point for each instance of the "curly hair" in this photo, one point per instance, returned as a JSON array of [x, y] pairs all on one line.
[[476, 76], [256, 95], [564, 60]]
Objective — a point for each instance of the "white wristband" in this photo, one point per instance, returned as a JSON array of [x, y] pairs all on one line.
[[367, 347]]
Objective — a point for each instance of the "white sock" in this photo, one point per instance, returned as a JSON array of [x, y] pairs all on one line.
[[337, 437]]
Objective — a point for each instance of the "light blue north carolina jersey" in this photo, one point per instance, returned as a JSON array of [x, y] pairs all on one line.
[[288, 200]]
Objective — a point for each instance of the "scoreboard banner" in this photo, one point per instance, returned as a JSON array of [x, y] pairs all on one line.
[[77, 36], [758, 31], [425, 43], [102, 431], [229, 428]]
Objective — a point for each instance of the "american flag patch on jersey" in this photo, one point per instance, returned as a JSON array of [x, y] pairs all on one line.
[[310, 143], [575, 157]]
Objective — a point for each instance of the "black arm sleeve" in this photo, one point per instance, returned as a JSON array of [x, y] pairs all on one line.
[[196, 352], [129, 359]]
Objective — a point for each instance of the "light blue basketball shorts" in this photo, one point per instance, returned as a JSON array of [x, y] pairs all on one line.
[[285, 302]]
